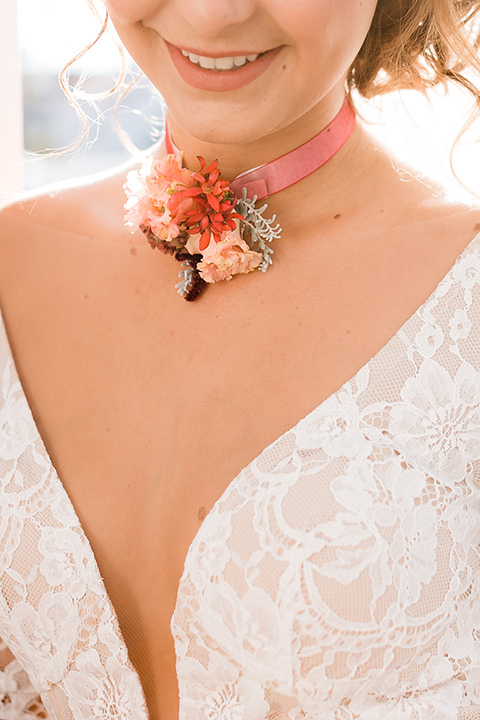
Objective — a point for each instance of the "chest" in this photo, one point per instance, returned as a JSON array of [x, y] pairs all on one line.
[[150, 412]]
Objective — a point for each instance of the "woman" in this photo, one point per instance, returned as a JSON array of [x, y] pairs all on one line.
[[331, 563]]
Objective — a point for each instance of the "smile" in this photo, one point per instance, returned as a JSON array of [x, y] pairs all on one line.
[[220, 63], [221, 73]]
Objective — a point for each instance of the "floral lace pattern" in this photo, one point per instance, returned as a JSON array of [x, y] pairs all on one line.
[[55, 617], [337, 577]]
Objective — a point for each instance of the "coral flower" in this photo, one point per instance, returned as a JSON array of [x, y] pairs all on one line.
[[192, 216], [214, 213]]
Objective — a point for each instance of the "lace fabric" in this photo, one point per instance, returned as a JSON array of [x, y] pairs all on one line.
[[337, 578]]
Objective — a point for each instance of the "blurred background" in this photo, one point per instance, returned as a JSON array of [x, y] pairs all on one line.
[[51, 32]]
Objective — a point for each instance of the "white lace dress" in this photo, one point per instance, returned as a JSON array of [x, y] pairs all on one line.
[[336, 578]]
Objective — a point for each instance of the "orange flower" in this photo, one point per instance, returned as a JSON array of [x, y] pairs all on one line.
[[190, 215], [214, 205]]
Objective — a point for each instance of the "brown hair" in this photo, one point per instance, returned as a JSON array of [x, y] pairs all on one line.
[[413, 44], [75, 93], [418, 44]]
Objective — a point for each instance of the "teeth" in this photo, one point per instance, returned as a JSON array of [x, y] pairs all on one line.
[[222, 63], [206, 62]]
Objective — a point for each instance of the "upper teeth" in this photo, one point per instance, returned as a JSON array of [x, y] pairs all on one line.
[[222, 63]]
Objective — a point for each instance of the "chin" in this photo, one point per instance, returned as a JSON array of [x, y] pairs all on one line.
[[221, 135], [227, 128]]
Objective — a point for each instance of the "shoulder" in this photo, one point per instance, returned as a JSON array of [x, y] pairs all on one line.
[[77, 207], [440, 221], [441, 214], [35, 225], [52, 244]]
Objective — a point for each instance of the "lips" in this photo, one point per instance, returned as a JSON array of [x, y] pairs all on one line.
[[220, 80]]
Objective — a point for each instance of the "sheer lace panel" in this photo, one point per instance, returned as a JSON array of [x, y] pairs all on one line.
[[55, 614], [337, 578], [18, 700]]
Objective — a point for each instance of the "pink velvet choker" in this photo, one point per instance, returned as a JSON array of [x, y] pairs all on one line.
[[211, 226]]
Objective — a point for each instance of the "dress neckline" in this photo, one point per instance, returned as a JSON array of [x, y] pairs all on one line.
[[471, 247]]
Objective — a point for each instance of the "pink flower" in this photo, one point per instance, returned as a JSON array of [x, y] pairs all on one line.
[[166, 174], [222, 260], [182, 212], [150, 192]]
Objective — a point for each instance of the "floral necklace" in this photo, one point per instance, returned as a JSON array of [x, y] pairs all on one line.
[[211, 226]]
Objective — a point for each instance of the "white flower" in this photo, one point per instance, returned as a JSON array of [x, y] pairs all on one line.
[[312, 688], [103, 691], [381, 500], [250, 626], [210, 549], [413, 553], [334, 427], [354, 536], [243, 700], [428, 340], [46, 637], [468, 272], [62, 510], [460, 325], [221, 692], [110, 636], [64, 560], [17, 429], [438, 424]]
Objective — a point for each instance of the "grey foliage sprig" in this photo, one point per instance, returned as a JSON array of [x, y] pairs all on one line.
[[186, 279], [260, 231]]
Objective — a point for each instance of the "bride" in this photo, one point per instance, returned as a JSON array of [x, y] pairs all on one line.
[[260, 503]]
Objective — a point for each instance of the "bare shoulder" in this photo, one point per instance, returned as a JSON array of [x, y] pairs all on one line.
[[34, 225], [82, 207], [432, 216], [456, 226]]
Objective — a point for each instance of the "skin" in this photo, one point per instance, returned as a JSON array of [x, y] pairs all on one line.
[[148, 405], [301, 91]]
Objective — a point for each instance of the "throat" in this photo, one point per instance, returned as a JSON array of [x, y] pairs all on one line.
[[273, 176]]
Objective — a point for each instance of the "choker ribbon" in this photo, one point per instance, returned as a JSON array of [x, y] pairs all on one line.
[[212, 226]]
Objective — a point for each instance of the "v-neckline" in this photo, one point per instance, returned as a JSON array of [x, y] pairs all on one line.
[[63, 492]]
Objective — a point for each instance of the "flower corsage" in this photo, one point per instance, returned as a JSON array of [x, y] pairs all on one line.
[[197, 218]]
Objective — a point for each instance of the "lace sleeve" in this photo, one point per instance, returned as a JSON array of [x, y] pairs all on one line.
[[18, 699]]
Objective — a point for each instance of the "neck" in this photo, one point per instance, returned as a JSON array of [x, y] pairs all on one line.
[[331, 190], [336, 189], [235, 159]]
